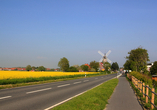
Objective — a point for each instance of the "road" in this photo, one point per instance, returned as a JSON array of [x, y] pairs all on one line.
[[43, 96]]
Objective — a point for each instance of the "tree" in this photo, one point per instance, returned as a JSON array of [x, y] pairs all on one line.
[[33, 68], [92, 70], [153, 69], [84, 67], [114, 66], [94, 65], [63, 64], [107, 66], [137, 60], [15, 69], [72, 69], [41, 68], [77, 66], [28, 67]]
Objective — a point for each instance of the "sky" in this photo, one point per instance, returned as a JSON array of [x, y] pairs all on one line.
[[41, 32]]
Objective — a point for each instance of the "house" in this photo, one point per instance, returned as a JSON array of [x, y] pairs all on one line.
[[149, 65], [9, 69], [21, 69], [154, 77], [48, 69], [101, 66], [14, 68]]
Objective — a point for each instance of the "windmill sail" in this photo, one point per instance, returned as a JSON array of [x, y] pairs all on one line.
[[104, 57]]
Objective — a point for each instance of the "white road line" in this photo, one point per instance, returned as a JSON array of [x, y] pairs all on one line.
[[74, 96], [102, 77], [63, 85], [77, 82], [5, 97], [38, 90], [64, 101], [85, 80], [96, 78]]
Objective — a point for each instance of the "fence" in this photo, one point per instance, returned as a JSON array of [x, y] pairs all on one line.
[[144, 89]]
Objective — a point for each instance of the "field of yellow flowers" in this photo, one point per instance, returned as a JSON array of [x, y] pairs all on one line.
[[30, 74]]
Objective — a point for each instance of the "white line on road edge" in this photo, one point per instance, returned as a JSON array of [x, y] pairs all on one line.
[[77, 82], [63, 85], [5, 97], [119, 75], [85, 80], [74, 96], [38, 90]]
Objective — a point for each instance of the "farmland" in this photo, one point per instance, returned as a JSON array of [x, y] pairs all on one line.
[[27, 74], [9, 79]]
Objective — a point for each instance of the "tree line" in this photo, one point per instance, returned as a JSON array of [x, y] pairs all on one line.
[[33, 68], [92, 67]]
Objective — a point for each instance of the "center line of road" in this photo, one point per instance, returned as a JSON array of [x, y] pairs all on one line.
[[63, 85], [77, 82], [5, 97], [85, 80], [38, 90]]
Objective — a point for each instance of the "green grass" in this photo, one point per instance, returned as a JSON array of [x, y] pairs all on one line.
[[17, 82], [94, 99]]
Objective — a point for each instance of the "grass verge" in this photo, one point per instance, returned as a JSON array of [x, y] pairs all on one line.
[[94, 99], [10, 83]]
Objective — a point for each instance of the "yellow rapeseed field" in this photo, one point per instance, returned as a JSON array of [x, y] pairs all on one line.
[[26, 74]]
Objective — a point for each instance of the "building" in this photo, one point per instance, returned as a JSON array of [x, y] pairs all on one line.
[[12, 69], [149, 65], [101, 66]]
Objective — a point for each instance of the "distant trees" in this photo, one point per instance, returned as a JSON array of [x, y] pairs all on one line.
[[63, 64], [107, 66], [28, 67], [33, 68], [114, 66], [41, 68], [153, 69], [84, 67], [137, 60], [94, 65], [72, 69], [77, 66]]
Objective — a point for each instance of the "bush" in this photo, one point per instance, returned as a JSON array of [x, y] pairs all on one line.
[[72, 69], [144, 78], [92, 70]]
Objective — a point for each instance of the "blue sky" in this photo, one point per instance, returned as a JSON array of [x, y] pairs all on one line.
[[40, 32]]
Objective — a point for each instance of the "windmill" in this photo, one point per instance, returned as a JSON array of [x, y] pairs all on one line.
[[104, 59]]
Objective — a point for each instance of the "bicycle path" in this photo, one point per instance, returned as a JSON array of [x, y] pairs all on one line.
[[123, 97]]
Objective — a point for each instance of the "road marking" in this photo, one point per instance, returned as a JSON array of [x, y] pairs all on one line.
[[38, 90], [75, 95], [77, 82], [64, 101], [102, 77], [5, 97], [96, 78], [85, 80], [63, 85]]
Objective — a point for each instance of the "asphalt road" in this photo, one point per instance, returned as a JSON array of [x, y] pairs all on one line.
[[43, 96]]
